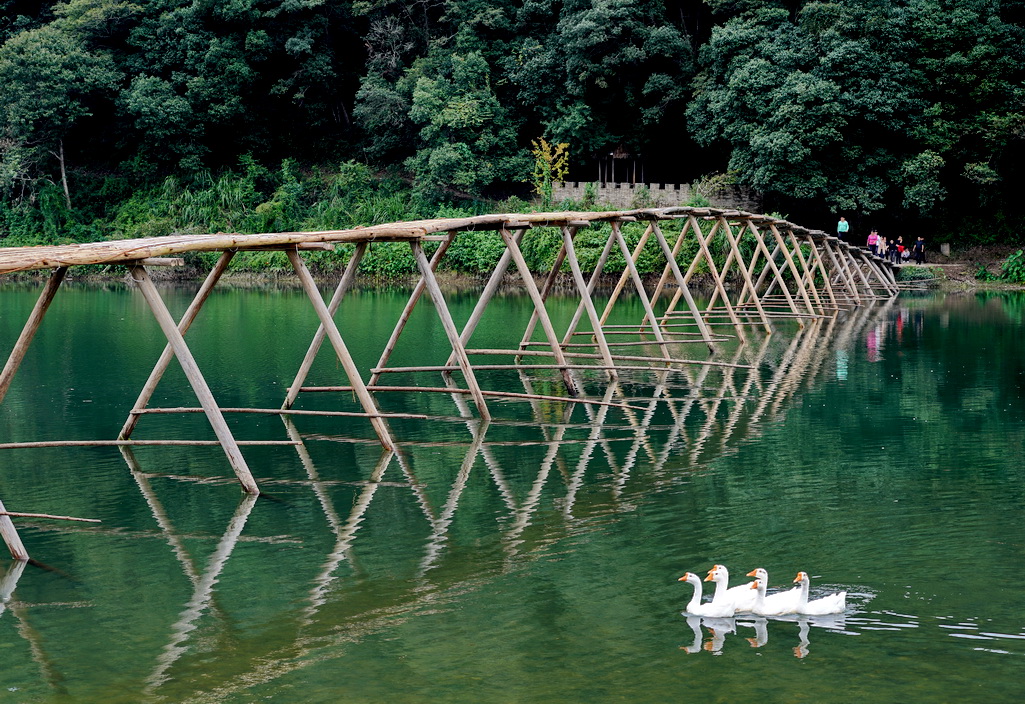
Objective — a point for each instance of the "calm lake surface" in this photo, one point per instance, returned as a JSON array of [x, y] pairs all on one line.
[[536, 562]]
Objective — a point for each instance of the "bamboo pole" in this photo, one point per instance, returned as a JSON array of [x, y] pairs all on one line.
[[450, 329], [539, 306], [667, 270], [798, 281], [137, 443], [631, 269], [29, 331], [626, 274], [684, 290], [344, 284], [452, 390], [288, 411], [20, 514], [775, 270], [585, 296], [546, 289], [591, 285], [820, 265], [10, 535], [749, 286], [627, 358], [691, 268], [351, 371], [808, 273], [720, 287], [196, 380], [414, 297], [167, 355]]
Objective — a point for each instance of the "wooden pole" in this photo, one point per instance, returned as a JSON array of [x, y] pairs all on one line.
[[631, 269], [10, 535], [585, 297], [168, 354], [775, 271], [450, 328], [196, 380], [348, 276], [591, 284], [798, 279], [626, 274], [539, 307], [546, 289], [684, 290], [745, 273], [720, 287], [414, 297], [31, 326], [351, 371]]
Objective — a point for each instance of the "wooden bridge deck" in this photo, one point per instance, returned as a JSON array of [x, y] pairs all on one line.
[[784, 271]]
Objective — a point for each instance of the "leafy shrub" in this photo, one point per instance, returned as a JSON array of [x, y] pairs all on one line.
[[1013, 268]]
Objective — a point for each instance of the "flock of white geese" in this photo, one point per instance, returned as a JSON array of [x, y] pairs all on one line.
[[751, 597]]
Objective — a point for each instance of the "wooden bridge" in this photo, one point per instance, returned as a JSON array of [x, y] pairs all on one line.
[[773, 270]]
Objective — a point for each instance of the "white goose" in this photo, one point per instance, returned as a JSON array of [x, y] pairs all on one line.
[[712, 609], [774, 604], [834, 603], [742, 598]]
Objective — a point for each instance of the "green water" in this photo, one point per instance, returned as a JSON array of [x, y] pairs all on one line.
[[881, 453]]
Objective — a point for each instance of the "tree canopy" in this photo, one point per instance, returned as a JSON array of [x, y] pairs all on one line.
[[911, 109]]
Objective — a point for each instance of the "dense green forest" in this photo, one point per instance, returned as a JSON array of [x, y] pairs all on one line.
[[124, 118]]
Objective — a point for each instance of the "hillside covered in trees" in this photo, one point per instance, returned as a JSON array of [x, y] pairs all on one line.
[[117, 117]]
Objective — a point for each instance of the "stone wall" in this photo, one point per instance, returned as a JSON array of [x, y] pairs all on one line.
[[626, 196]]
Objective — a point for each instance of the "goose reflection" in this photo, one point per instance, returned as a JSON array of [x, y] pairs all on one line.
[[720, 628]]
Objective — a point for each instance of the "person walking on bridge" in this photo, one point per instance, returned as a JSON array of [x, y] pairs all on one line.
[[842, 227]]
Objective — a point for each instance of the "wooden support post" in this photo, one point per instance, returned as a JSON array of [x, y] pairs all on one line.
[[591, 285], [10, 535], [824, 273], [631, 269], [331, 330], [490, 289], [798, 279], [684, 290], [165, 357], [348, 276], [414, 297], [776, 272], [539, 306], [667, 270], [31, 326], [546, 289], [745, 272], [195, 377], [450, 328], [841, 271], [625, 276], [807, 275], [720, 287], [585, 296]]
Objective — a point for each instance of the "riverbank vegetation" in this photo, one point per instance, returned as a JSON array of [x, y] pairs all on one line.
[[126, 119]]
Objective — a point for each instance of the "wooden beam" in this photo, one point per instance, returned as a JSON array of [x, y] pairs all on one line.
[[168, 354], [10, 535], [31, 326], [335, 337], [196, 380]]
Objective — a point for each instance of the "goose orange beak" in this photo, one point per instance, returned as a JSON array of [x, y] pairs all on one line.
[[684, 577], [709, 578], [799, 577], [753, 573]]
